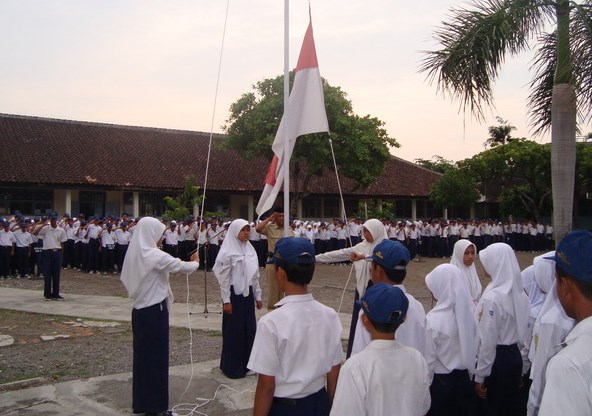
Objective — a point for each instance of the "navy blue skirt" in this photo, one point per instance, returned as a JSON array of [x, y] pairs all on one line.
[[150, 390]]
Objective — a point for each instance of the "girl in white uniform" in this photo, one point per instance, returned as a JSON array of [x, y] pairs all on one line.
[[451, 348], [237, 271], [463, 257], [145, 275], [503, 313]]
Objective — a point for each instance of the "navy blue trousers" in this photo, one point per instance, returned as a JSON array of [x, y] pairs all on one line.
[[317, 404], [503, 394], [150, 389], [452, 394], [52, 265], [238, 335]]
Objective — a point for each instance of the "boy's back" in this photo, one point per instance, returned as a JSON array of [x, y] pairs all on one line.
[[298, 343], [386, 378]]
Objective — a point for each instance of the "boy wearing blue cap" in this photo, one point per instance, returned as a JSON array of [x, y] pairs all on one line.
[[386, 378], [389, 265], [298, 344], [569, 372]]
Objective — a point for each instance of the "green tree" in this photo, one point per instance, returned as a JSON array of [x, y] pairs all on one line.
[[454, 189], [361, 144], [500, 134], [436, 163], [181, 206], [475, 42], [518, 173]]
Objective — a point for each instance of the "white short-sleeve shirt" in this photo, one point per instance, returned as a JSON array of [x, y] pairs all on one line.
[[297, 343]]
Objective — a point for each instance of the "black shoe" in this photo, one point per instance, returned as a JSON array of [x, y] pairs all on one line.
[[58, 298]]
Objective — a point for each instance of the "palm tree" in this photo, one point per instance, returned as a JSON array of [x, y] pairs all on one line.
[[475, 43]]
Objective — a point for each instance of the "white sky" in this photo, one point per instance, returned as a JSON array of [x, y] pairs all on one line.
[[154, 63]]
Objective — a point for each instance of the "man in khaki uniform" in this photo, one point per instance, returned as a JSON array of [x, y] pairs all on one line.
[[273, 228]]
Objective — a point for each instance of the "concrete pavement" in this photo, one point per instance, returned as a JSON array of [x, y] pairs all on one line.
[[111, 395]]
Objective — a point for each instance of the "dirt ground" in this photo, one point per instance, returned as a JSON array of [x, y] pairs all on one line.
[[95, 348]]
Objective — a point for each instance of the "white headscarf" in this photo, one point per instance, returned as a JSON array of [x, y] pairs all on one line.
[[536, 296], [143, 256], [551, 311], [501, 264], [469, 273], [454, 305], [233, 251], [378, 232]]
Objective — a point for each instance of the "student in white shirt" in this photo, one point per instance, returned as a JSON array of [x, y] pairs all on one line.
[[237, 271], [463, 257], [386, 378], [145, 275], [7, 241], [550, 328], [503, 313], [374, 232], [22, 254], [451, 346], [389, 265], [297, 345], [569, 373]]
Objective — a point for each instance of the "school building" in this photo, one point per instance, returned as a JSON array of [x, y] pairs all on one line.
[[100, 169]]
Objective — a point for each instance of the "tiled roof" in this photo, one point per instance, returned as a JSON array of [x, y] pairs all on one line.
[[63, 153]]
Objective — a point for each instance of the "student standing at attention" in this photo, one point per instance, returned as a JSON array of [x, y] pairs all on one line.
[[386, 378], [298, 344], [237, 271], [503, 314], [569, 373]]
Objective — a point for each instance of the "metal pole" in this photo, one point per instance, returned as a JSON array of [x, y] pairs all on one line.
[[286, 167]]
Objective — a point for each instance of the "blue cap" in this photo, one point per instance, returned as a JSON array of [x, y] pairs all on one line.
[[53, 216], [574, 255], [6, 224], [293, 250], [390, 254], [384, 303]]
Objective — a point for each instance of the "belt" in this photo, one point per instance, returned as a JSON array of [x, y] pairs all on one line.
[[285, 401], [54, 249]]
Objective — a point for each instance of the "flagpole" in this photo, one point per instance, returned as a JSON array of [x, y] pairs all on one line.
[[286, 167]]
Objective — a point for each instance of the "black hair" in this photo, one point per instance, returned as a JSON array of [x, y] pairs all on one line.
[[299, 274], [385, 328], [394, 275], [585, 288]]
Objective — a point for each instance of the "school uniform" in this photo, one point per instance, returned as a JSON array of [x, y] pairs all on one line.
[[237, 271], [69, 257], [213, 247], [550, 329], [122, 239], [386, 378], [451, 331], [298, 343], [53, 238], [108, 251], [569, 375], [503, 313], [469, 273], [7, 241], [22, 252], [171, 242], [93, 232], [411, 333], [362, 269], [145, 275], [273, 233]]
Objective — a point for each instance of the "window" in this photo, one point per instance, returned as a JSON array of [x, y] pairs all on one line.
[[92, 203], [152, 203], [27, 201]]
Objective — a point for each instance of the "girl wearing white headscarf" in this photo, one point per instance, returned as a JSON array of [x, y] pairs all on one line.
[[237, 271], [374, 232], [145, 275], [451, 345], [503, 313], [464, 258], [550, 329]]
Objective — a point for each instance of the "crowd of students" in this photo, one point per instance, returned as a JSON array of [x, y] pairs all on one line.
[[476, 352]]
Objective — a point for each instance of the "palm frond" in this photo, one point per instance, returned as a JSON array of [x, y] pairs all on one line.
[[474, 44], [539, 100], [581, 47]]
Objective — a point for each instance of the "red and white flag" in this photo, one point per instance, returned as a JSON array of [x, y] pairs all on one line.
[[306, 114]]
